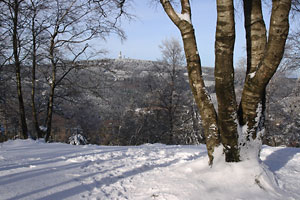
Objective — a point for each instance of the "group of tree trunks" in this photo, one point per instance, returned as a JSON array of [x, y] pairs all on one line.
[[49, 33], [236, 127]]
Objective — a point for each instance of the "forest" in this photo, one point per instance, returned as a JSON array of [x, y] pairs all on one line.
[[52, 88], [130, 102]]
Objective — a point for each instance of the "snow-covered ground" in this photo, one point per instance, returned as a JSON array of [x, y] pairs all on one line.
[[35, 170]]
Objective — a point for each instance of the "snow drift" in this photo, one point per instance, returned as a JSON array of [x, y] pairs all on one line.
[[35, 170]]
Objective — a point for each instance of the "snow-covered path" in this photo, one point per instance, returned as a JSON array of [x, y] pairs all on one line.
[[35, 170]]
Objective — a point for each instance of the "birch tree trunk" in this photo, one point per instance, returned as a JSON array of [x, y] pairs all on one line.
[[15, 10], [264, 60], [202, 98], [224, 79], [237, 129]]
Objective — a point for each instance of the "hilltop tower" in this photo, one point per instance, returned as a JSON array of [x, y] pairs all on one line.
[[120, 55]]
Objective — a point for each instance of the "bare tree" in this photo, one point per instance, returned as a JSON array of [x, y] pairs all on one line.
[[36, 26], [53, 34], [237, 128], [72, 25], [173, 58], [13, 28], [291, 57]]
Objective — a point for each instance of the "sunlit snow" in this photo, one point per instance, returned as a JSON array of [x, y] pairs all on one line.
[[35, 170], [185, 17]]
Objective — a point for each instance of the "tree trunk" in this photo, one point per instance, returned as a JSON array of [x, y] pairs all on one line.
[[50, 108], [172, 106], [224, 79], [255, 85], [18, 69], [202, 98], [52, 86], [34, 112], [256, 41], [256, 38]]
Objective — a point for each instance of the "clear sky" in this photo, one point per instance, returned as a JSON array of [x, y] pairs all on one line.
[[152, 26]]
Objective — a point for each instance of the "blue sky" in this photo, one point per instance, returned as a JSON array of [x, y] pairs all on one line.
[[152, 25]]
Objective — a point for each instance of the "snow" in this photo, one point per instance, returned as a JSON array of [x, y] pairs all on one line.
[[251, 75], [77, 139], [43, 128], [250, 148], [185, 17], [36, 170]]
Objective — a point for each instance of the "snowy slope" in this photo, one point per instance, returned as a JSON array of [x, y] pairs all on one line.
[[35, 170]]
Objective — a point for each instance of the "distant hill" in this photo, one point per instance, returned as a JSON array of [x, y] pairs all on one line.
[[129, 102]]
